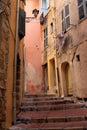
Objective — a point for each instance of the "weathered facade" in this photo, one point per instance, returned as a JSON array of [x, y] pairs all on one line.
[[11, 53], [72, 54], [34, 76], [49, 61], [64, 55]]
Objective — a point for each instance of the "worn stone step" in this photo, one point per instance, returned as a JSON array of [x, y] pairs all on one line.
[[47, 102], [54, 114], [51, 107], [79, 125], [49, 112], [38, 95], [42, 98], [50, 119]]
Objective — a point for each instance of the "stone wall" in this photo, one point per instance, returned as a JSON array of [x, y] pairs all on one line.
[[4, 51]]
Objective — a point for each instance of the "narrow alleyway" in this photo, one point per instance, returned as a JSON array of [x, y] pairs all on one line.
[[49, 112]]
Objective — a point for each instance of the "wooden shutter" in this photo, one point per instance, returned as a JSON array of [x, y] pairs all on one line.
[[86, 6], [63, 21], [47, 3], [21, 23], [67, 16], [81, 9]]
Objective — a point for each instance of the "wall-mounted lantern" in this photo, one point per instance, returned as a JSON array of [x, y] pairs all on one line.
[[35, 12]]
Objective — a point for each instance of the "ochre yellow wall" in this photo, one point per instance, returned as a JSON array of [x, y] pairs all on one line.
[[49, 52], [10, 78], [9, 91]]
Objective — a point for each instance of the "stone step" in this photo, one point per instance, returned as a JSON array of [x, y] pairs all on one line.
[[27, 95], [55, 115], [51, 107], [79, 125], [46, 102], [50, 119], [42, 98], [49, 112]]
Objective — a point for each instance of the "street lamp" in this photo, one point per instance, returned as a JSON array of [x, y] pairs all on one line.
[[35, 12]]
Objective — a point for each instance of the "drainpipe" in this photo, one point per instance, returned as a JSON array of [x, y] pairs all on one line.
[[15, 62]]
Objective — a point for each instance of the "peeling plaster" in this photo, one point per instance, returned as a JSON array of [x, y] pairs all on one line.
[[32, 76]]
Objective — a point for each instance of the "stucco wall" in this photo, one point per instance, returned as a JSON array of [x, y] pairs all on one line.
[[10, 72], [12, 22], [76, 46], [33, 50]]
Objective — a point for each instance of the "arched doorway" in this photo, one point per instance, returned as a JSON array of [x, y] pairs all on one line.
[[66, 79]]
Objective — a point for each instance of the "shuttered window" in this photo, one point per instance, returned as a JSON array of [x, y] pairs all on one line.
[[21, 23], [45, 37], [44, 5], [65, 18], [82, 9], [48, 3]]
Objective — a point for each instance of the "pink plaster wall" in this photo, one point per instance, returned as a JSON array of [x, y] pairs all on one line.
[[33, 46]]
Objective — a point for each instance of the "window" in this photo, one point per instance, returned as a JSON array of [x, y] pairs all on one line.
[[45, 37], [82, 8], [65, 18], [44, 5], [51, 28], [78, 57]]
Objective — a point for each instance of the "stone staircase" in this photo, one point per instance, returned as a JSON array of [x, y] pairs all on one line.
[[49, 112]]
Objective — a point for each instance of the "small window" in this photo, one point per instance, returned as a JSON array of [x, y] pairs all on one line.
[[48, 3], [65, 18], [51, 28], [78, 57], [45, 37], [82, 9], [45, 5]]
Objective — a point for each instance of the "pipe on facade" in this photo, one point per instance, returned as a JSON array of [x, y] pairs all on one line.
[[15, 62]]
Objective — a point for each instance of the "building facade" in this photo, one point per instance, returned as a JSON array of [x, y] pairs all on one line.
[[11, 61], [34, 76], [49, 60], [64, 52]]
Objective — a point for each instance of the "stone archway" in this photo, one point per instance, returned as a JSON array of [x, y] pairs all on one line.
[[66, 79]]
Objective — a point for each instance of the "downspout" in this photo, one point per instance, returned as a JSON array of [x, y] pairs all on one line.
[[15, 62]]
